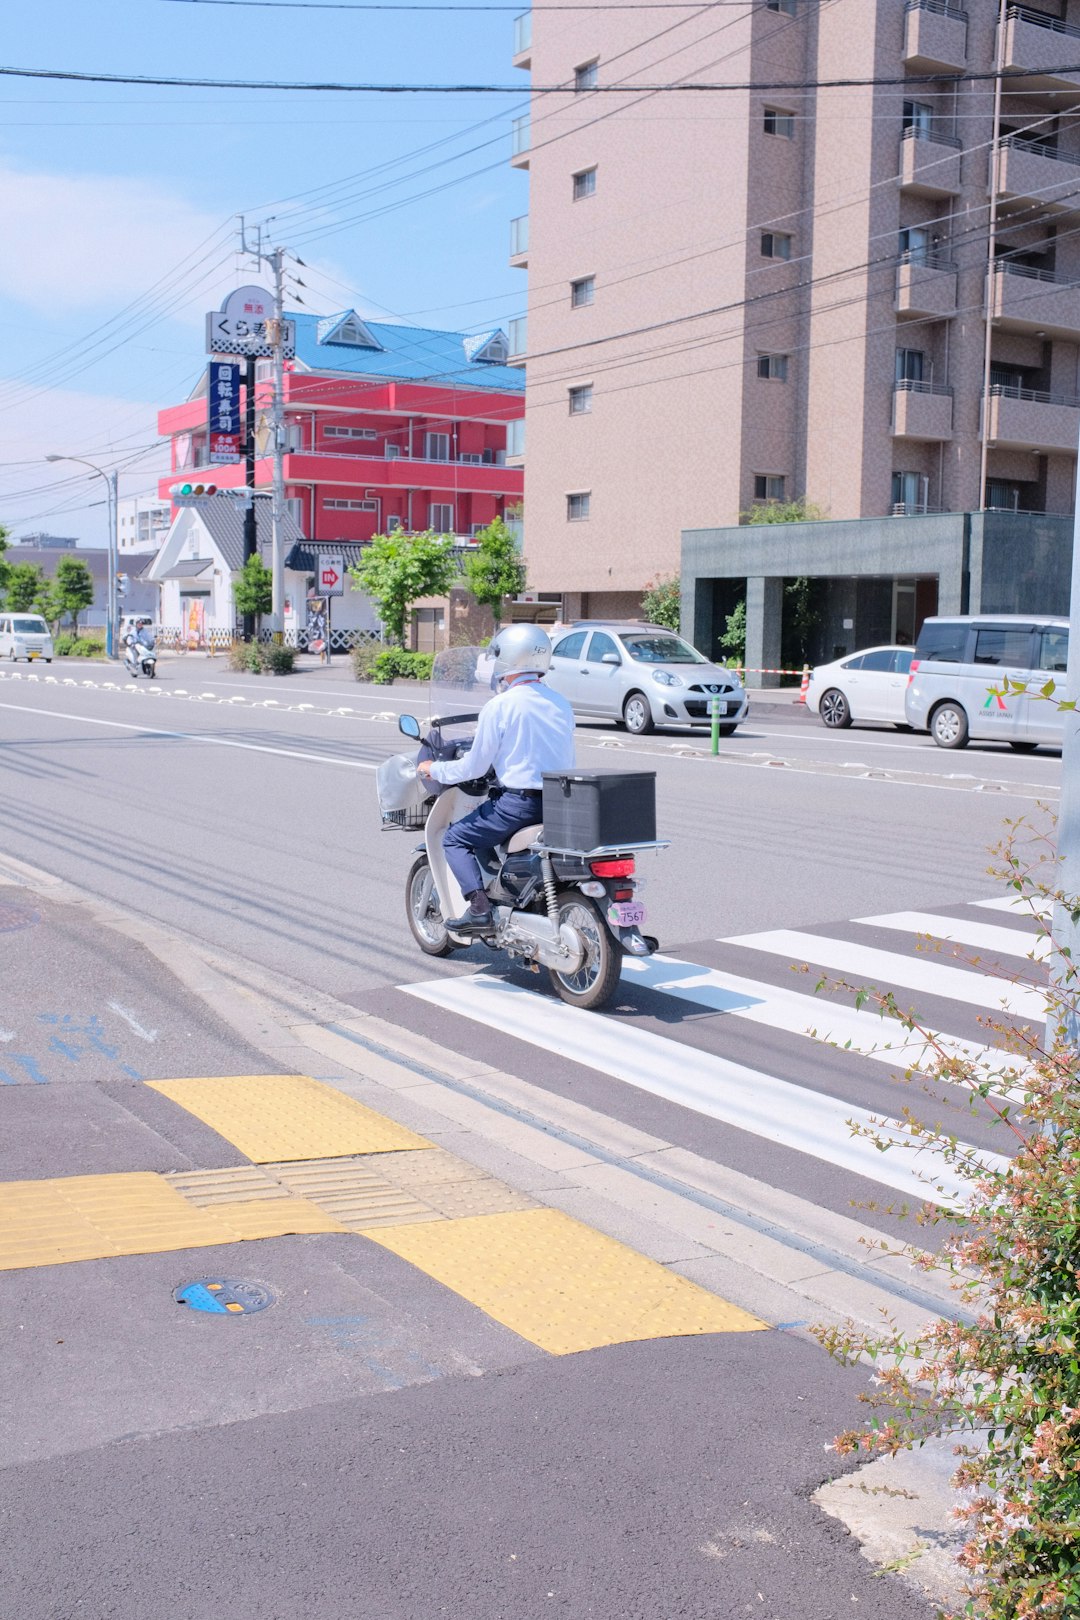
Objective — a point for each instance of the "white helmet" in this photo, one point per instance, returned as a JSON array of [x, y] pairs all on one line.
[[520, 649]]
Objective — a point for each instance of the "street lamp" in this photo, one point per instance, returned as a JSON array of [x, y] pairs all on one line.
[[113, 513]]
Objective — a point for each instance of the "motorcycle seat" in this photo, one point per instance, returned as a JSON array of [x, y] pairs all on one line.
[[521, 840]]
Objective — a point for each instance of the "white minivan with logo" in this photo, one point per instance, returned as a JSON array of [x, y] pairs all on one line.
[[25, 635], [957, 689]]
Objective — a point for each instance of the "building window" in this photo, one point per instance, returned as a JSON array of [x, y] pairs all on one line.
[[349, 433], [779, 123], [917, 116], [787, 7], [515, 437], [769, 486], [577, 507], [441, 518], [910, 491], [773, 367], [584, 183], [580, 399], [910, 365], [915, 244], [332, 504], [437, 446], [775, 245], [582, 292], [587, 77]]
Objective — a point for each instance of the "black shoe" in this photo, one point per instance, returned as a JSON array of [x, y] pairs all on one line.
[[478, 923]]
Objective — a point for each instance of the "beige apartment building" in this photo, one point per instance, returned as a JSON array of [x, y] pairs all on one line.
[[747, 294]]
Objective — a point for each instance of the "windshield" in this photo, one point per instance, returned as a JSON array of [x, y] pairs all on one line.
[[661, 650], [460, 682], [30, 627]]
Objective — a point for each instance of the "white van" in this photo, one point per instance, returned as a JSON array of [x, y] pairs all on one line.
[[25, 635], [956, 689]]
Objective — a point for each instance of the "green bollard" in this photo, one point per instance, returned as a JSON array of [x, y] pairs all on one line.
[[714, 709]]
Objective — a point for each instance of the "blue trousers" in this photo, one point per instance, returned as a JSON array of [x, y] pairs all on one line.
[[489, 824]]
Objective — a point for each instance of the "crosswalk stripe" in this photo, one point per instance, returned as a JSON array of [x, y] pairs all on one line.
[[870, 966], [962, 931], [791, 1115], [777, 1007], [1016, 907]]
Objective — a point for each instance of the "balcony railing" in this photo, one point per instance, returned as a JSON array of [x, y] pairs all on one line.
[[1035, 396], [914, 509], [904, 385], [463, 458], [1023, 143], [940, 8], [519, 236], [925, 259], [1041, 20], [914, 133], [1008, 268], [519, 136], [522, 32], [515, 332]]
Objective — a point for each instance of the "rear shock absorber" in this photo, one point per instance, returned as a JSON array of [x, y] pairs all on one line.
[[550, 892]]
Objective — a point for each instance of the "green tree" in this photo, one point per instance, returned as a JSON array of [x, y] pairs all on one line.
[[3, 565], [733, 639], [397, 569], [27, 587], [71, 589], [662, 602], [253, 590], [798, 511], [496, 569]]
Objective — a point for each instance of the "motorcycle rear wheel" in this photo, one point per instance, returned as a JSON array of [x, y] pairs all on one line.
[[596, 981], [423, 911]]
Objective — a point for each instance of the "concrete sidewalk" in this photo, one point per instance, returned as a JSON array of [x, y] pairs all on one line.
[[658, 1476]]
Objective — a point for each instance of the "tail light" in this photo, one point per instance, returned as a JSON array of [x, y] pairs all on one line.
[[911, 671], [611, 869]]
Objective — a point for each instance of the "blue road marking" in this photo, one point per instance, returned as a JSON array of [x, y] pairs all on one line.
[[7, 1079], [25, 1061]]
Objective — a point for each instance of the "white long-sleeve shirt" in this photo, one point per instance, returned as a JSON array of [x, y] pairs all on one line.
[[522, 733]]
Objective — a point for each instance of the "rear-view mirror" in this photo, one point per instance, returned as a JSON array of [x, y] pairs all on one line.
[[409, 726]]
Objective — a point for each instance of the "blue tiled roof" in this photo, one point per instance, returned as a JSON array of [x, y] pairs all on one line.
[[406, 353]]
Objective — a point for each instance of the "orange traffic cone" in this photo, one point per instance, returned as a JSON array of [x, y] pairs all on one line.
[[805, 684]]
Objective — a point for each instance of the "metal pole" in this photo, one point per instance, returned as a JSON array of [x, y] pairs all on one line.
[[991, 253], [1065, 928], [714, 710], [277, 428], [114, 524], [251, 543]]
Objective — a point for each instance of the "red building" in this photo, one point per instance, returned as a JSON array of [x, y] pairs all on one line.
[[387, 427]]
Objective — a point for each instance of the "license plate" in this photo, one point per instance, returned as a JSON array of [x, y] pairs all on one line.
[[31, 656], [626, 914]]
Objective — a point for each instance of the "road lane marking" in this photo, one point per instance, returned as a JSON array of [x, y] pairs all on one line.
[[893, 969], [559, 1284], [979, 936], [790, 1115], [864, 1032], [1016, 907], [132, 1022], [191, 736]]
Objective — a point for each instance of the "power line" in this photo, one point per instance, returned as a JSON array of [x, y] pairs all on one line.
[[383, 5], [343, 87]]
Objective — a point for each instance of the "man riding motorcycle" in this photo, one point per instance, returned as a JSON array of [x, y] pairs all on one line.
[[525, 731]]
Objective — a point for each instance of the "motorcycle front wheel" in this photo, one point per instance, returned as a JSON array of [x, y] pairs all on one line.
[[423, 911], [596, 979]]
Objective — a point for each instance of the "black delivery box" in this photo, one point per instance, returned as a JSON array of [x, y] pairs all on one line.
[[588, 809]]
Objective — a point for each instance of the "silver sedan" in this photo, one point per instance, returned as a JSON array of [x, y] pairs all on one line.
[[643, 676]]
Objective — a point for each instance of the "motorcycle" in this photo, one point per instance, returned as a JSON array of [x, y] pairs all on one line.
[[139, 659], [574, 911]]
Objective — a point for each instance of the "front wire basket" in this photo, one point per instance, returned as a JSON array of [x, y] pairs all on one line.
[[411, 820]]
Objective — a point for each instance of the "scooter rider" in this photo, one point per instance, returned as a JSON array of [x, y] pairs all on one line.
[[525, 731]]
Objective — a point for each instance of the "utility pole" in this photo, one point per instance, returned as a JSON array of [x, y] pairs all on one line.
[[1064, 927], [277, 431], [111, 604]]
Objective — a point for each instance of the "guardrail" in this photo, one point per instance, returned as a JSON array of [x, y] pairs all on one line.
[[905, 385]]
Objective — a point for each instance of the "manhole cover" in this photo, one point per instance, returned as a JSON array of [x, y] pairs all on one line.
[[14, 916], [224, 1296]]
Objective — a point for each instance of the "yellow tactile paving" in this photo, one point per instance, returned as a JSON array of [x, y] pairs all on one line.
[[273, 1117], [560, 1284], [48, 1223]]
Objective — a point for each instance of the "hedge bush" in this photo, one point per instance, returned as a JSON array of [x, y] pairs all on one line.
[[395, 663], [363, 658], [68, 646], [261, 658]]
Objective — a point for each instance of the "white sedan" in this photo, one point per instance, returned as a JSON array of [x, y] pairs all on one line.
[[869, 685]]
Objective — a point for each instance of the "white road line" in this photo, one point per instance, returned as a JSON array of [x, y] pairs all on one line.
[[190, 736], [791, 1115], [979, 936], [1017, 907], [132, 1022], [890, 969], [776, 1007]]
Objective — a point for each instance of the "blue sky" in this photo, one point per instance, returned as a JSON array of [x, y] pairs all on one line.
[[117, 205]]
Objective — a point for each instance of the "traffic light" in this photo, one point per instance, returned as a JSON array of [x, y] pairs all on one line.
[[191, 494], [180, 492], [121, 584]]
